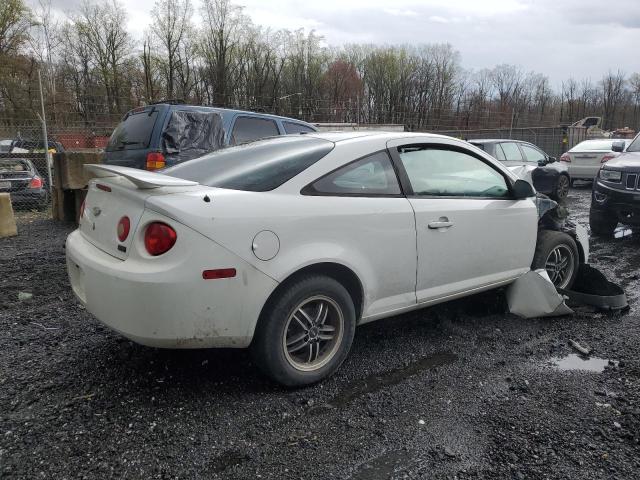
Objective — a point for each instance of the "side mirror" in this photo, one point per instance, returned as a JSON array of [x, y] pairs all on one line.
[[523, 189], [617, 146], [552, 159]]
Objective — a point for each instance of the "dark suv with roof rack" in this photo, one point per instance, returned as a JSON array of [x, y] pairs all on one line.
[[164, 134], [615, 197]]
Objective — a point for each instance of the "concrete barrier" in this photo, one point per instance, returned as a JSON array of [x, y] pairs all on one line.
[[8, 226], [70, 182]]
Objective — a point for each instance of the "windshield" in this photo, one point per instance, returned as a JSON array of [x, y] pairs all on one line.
[[134, 132], [635, 145], [257, 167]]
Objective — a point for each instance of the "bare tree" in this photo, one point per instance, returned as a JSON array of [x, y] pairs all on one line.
[[171, 23], [102, 27], [612, 90], [15, 21], [222, 48]]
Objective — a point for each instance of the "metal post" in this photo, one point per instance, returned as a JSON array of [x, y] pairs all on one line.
[[44, 133], [513, 113]]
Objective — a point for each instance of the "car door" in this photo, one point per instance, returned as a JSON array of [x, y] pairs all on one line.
[[470, 232], [512, 154]]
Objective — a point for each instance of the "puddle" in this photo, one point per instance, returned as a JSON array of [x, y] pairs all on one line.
[[382, 467], [578, 362], [621, 232], [374, 383]]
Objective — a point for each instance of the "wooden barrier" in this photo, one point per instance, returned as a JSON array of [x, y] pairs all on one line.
[[70, 183], [8, 226]]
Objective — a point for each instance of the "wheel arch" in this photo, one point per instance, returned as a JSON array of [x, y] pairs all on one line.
[[339, 272]]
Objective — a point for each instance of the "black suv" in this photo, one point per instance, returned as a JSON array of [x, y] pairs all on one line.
[[163, 134], [616, 191]]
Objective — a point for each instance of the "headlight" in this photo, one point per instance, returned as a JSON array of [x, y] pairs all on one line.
[[610, 175]]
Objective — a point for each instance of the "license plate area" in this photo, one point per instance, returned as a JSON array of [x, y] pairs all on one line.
[[4, 185]]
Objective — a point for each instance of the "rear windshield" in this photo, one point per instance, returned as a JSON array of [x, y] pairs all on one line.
[[134, 131], [255, 167], [593, 146], [12, 165]]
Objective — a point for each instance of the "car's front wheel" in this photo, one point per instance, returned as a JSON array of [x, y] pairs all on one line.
[[557, 253], [562, 187], [305, 333]]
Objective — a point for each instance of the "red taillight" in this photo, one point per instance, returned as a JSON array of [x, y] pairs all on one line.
[[219, 273], [102, 187], [155, 161], [565, 158], [607, 157], [159, 238], [124, 225], [36, 182]]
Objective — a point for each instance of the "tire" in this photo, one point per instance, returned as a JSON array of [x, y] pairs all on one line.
[[286, 339], [561, 190], [602, 223], [552, 249]]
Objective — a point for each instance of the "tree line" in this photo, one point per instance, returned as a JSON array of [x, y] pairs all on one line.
[[93, 71]]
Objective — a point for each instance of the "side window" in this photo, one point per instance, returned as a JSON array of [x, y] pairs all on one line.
[[249, 129], [291, 127], [511, 152], [533, 154], [499, 153], [450, 173], [369, 176]]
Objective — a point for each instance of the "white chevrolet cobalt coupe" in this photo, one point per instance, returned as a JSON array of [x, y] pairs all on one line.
[[287, 244]]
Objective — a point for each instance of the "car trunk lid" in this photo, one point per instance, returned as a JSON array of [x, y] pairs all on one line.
[[120, 192], [587, 158]]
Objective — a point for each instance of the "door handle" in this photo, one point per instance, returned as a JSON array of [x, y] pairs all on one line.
[[442, 223]]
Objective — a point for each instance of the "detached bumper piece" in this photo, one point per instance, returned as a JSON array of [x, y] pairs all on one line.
[[534, 295], [592, 288]]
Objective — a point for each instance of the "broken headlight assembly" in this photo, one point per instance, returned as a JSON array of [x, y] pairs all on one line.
[[611, 175]]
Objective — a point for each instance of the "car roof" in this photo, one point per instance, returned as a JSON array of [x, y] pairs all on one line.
[[496, 140], [183, 106], [336, 137]]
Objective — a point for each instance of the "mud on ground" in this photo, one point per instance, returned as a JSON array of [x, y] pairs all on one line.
[[461, 390]]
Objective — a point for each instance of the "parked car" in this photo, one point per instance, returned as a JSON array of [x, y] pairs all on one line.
[[286, 244], [20, 178], [615, 196], [549, 176], [585, 159], [24, 145], [162, 135]]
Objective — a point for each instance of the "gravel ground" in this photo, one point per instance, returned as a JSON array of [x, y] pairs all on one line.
[[461, 390]]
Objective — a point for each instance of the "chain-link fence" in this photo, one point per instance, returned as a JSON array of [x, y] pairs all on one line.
[[25, 167]]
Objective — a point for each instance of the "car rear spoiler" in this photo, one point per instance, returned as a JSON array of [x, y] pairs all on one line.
[[140, 178]]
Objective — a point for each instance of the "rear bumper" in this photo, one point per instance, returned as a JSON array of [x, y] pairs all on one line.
[[166, 303], [624, 205], [583, 172]]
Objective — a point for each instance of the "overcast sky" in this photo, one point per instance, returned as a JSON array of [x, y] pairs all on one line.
[[560, 38]]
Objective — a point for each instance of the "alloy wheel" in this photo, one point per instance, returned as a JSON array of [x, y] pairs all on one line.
[[313, 333], [560, 265], [562, 190]]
